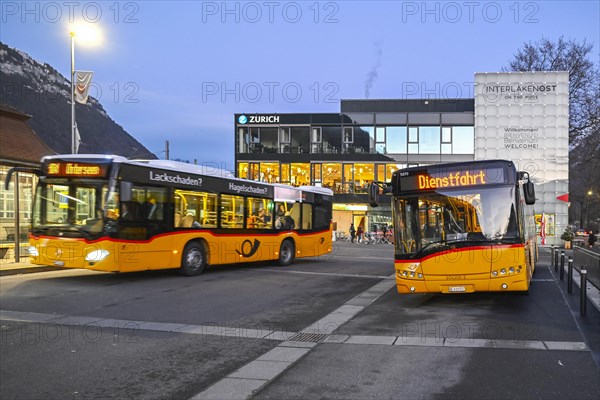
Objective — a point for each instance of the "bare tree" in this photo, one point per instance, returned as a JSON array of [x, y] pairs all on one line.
[[584, 79], [584, 116]]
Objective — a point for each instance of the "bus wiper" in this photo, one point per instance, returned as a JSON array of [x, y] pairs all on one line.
[[439, 242]]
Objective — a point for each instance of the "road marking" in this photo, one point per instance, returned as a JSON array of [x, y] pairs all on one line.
[[319, 273], [326, 324], [244, 382], [210, 329], [389, 259]]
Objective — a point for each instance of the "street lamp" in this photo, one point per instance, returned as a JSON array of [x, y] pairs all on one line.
[[86, 33], [587, 209]]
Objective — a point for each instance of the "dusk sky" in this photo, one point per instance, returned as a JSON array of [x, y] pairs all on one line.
[[179, 70]]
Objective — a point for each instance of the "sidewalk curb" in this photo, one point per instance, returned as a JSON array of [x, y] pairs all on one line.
[[28, 270]]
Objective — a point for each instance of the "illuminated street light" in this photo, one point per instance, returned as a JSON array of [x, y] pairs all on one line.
[[587, 209], [85, 33]]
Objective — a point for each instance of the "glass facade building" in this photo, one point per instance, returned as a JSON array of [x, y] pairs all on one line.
[[367, 141]]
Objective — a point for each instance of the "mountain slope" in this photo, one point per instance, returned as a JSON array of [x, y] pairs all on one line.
[[42, 92]]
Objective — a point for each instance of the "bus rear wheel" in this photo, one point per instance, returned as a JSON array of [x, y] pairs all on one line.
[[287, 251], [193, 259]]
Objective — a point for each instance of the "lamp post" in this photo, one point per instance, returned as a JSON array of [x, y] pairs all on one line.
[[587, 209], [73, 138], [86, 33]]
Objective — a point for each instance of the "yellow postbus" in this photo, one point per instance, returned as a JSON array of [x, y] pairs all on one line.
[[108, 213], [463, 227]]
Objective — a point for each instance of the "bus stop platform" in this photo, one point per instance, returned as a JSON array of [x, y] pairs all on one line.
[[16, 268]]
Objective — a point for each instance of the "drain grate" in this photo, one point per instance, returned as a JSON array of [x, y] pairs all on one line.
[[308, 337]]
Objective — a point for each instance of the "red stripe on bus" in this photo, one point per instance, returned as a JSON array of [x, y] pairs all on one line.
[[502, 246], [107, 239]]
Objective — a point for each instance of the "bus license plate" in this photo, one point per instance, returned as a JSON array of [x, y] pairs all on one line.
[[59, 263], [457, 289]]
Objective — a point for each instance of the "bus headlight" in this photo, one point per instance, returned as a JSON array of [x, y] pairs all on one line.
[[33, 251], [96, 255]]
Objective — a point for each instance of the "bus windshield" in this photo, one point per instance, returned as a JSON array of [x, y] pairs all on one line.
[[70, 206], [428, 222]]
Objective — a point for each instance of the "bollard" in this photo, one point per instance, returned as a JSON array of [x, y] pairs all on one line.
[[570, 276], [552, 256], [556, 260], [583, 297], [562, 265]]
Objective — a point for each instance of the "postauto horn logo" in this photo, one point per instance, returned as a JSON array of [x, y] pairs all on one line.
[[242, 119]]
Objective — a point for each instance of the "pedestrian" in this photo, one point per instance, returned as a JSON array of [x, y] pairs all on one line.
[[591, 239], [359, 234], [352, 233]]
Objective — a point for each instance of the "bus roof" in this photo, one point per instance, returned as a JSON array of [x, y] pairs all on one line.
[[185, 167], [177, 166]]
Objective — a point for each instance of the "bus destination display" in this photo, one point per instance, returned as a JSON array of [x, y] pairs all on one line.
[[448, 179], [75, 169]]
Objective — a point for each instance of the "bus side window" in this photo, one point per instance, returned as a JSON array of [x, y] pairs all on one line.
[[306, 216], [155, 203]]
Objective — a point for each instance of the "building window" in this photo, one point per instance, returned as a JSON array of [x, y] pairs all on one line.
[[380, 140], [255, 145], [380, 173], [348, 134], [429, 140], [285, 173], [254, 171], [332, 139], [413, 140], [348, 179], [316, 135], [363, 175], [300, 174], [300, 139], [243, 170], [396, 139], [268, 140], [391, 168], [285, 138], [366, 141], [316, 174], [385, 171], [446, 140], [243, 141], [269, 172], [316, 140], [332, 176], [463, 140], [284, 134]]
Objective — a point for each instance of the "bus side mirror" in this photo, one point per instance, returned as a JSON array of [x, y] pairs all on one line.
[[373, 194], [529, 191]]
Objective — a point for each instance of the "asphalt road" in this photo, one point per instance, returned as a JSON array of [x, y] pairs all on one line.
[[331, 328]]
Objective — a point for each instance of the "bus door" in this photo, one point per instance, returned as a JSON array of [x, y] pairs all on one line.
[[143, 219]]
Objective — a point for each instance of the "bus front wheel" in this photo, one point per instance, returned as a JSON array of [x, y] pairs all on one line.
[[286, 252], [193, 260]]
